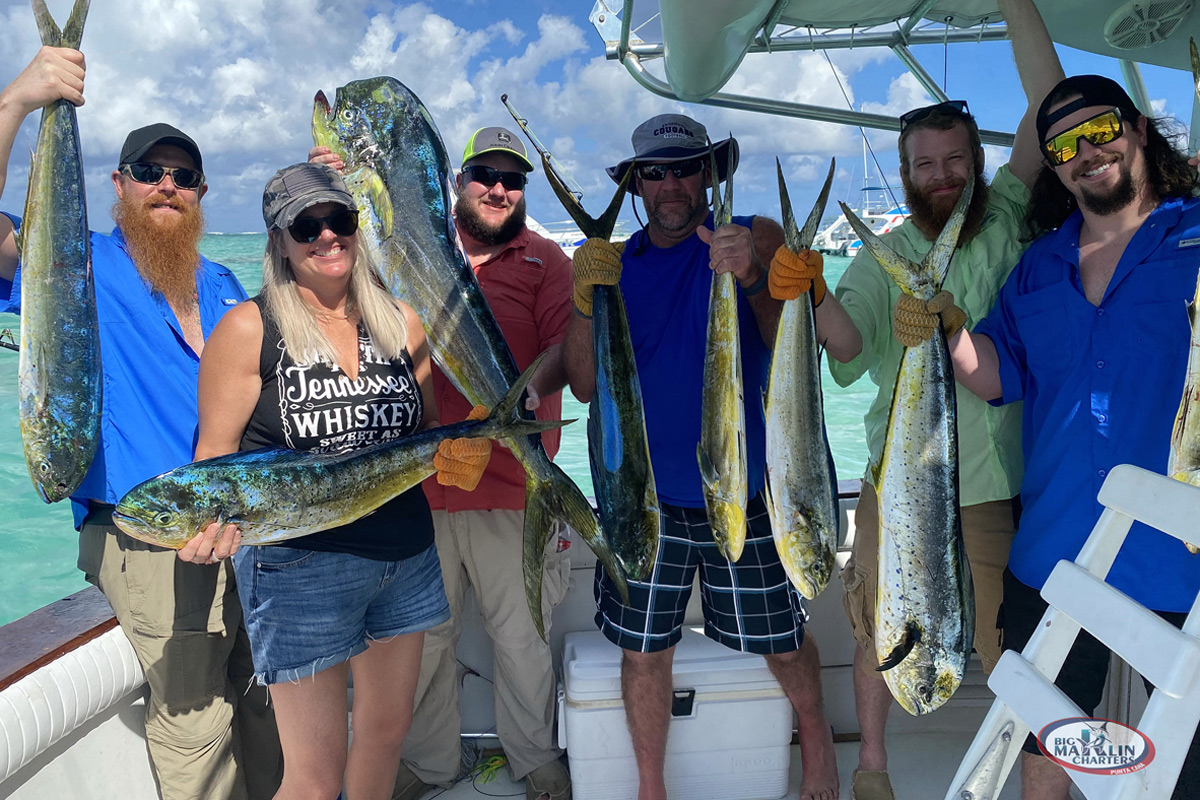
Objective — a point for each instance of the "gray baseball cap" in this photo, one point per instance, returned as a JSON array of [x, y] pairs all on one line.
[[674, 137], [493, 140], [295, 188]]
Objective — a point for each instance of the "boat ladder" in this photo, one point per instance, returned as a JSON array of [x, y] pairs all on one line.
[[1078, 597]]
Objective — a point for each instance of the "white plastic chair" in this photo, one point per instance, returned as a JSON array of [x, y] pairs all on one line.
[[1026, 697]]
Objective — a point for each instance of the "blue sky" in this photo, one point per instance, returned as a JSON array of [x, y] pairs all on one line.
[[241, 82]]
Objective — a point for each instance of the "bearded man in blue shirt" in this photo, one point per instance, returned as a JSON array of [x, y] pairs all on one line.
[[1091, 330], [157, 300]]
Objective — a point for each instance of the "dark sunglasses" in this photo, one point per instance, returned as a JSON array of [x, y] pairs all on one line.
[[1098, 130], [307, 230], [488, 176], [680, 169], [949, 107], [152, 174]]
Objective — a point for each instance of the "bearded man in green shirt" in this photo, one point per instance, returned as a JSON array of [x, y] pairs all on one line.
[[939, 146]]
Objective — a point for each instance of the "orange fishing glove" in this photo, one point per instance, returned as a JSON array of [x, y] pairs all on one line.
[[792, 273], [461, 462], [914, 320], [597, 263]]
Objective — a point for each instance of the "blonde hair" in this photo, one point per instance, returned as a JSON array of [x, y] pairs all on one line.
[[297, 319]]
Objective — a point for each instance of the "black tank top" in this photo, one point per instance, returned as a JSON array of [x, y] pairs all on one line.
[[316, 407]]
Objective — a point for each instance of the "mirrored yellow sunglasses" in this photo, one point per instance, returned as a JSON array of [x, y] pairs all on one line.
[[1100, 129]]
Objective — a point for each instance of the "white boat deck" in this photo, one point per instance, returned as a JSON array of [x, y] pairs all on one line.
[[921, 767]]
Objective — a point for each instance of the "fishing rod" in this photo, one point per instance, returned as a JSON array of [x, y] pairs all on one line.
[[547, 157], [8, 341]]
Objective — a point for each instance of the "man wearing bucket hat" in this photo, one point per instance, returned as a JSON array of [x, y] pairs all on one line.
[[526, 279], [1091, 330], [209, 733], [665, 273]]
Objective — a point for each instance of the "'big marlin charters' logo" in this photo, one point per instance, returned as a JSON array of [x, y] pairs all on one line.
[[1096, 746]]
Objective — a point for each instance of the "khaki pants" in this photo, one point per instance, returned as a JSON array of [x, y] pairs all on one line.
[[988, 530], [483, 548], [185, 624]]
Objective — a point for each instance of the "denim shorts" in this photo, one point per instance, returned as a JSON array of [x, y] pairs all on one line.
[[308, 610]]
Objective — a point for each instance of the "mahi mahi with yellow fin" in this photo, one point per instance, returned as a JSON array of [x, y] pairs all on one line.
[[801, 482], [722, 448], [58, 372], [1184, 464], [397, 168], [925, 601]]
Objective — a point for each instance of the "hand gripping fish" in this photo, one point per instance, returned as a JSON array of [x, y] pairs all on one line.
[[801, 482], [399, 173], [276, 494], [722, 448], [58, 372], [618, 450], [925, 601], [1184, 463]]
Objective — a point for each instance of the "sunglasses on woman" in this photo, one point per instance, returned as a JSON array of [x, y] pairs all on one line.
[[307, 230], [680, 169], [1098, 130], [152, 175], [489, 176]]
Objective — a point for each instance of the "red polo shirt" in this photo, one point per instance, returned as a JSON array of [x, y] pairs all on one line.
[[528, 284]]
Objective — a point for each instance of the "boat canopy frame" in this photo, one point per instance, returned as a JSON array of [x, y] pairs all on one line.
[[612, 20]]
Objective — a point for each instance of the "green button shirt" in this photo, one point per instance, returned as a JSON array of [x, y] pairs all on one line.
[[989, 438]]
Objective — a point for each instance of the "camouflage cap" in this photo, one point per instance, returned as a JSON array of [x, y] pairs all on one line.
[[295, 188], [497, 140]]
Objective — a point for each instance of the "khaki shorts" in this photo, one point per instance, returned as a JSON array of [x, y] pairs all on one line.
[[988, 530]]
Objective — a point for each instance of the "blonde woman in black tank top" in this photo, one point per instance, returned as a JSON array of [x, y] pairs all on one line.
[[325, 360]]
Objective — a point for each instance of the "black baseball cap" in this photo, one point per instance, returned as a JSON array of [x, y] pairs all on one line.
[[1089, 90], [140, 141]]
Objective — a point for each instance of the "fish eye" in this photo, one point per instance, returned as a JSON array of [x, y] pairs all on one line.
[[44, 467], [348, 115], [163, 518]]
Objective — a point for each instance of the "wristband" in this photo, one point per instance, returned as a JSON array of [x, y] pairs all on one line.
[[757, 286]]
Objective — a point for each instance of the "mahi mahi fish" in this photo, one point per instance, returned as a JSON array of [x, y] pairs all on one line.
[[801, 482], [925, 601], [722, 448], [58, 373], [275, 494], [1184, 463], [618, 450], [399, 172]]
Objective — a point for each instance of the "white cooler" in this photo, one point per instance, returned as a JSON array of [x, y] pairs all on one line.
[[730, 733]]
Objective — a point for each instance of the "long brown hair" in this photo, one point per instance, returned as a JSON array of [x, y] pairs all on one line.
[[1168, 174]]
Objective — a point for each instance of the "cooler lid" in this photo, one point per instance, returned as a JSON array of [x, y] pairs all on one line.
[[592, 667]]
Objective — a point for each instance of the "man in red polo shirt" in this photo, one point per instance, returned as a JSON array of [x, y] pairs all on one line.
[[527, 281]]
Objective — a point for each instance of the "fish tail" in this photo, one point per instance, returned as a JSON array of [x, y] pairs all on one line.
[[72, 34], [556, 497], [47, 27]]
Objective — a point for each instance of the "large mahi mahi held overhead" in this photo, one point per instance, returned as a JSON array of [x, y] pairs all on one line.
[[399, 172], [58, 373], [925, 601], [801, 481]]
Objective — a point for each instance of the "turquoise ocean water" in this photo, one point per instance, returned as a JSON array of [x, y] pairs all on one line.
[[38, 542]]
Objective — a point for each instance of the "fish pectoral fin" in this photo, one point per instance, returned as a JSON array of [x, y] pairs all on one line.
[[912, 635], [381, 204], [708, 470]]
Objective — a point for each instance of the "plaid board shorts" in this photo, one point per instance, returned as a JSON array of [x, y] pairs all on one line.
[[749, 606]]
